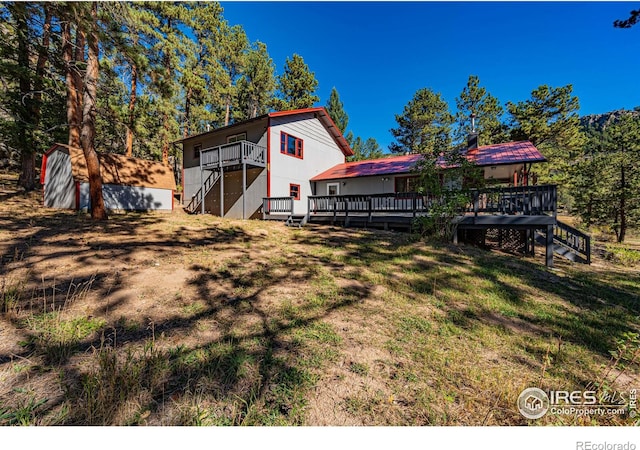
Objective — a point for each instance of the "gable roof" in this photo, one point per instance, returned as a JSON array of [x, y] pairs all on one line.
[[326, 120], [320, 112], [487, 155], [121, 170]]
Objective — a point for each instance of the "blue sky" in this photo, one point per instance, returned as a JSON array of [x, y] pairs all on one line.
[[378, 54]]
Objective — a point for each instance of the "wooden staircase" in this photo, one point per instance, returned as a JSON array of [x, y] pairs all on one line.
[[569, 243], [297, 220], [195, 205]]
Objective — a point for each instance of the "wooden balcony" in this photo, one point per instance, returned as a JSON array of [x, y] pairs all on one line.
[[234, 154]]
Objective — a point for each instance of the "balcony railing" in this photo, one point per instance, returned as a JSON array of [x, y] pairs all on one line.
[[234, 153]]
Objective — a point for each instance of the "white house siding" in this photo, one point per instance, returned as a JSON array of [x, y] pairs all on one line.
[[320, 152], [129, 198], [256, 133], [360, 185], [59, 186]]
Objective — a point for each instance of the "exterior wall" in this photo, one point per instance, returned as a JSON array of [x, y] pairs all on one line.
[[256, 190], [256, 132], [59, 186], [129, 198], [320, 152], [360, 185]]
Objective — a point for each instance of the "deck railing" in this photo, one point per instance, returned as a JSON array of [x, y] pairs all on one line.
[[277, 206], [573, 239], [234, 153], [405, 202], [527, 200]]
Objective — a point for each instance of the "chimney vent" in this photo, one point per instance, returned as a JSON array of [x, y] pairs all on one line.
[[472, 138]]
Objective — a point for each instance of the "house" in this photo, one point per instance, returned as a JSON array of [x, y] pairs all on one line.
[[128, 184], [508, 163], [274, 155], [292, 165]]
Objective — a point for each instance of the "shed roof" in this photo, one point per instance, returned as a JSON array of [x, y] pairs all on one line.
[[487, 155], [121, 170]]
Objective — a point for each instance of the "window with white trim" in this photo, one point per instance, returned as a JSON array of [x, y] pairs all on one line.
[[333, 188]]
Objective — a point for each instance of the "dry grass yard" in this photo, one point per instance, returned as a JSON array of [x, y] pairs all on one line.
[[171, 319]]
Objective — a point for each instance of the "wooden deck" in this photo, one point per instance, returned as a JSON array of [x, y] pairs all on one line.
[[531, 208]]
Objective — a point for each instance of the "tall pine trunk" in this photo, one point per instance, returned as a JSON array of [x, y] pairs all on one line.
[[132, 107], [187, 112], [623, 205], [73, 80], [87, 136]]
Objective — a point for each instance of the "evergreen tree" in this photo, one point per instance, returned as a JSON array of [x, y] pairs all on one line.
[[549, 119], [475, 99], [336, 111], [364, 150], [424, 125], [232, 58], [28, 82], [256, 84], [296, 86], [634, 18], [605, 186]]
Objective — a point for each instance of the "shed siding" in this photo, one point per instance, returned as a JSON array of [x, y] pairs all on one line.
[[320, 152], [59, 186], [129, 198]]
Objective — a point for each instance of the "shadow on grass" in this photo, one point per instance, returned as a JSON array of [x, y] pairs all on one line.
[[248, 367]]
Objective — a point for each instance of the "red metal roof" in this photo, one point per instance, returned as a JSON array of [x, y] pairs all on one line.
[[487, 155], [507, 153], [383, 166]]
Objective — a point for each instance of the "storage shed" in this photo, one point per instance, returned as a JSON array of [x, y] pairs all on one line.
[[128, 184]]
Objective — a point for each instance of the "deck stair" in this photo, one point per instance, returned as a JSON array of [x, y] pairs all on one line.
[[297, 220], [569, 243], [195, 204]]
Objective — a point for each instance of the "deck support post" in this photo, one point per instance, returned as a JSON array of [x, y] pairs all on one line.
[[244, 190], [549, 242], [221, 191], [201, 186]]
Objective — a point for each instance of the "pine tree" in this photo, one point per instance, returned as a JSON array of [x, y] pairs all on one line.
[[336, 111], [256, 84], [363, 150], [232, 58], [424, 125], [28, 82], [296, 86], [475, 99], [549, 119]]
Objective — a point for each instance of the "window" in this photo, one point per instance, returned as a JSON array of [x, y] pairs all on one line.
[[333, 189], [236, 138], [406, 184], [196, 151], [290, 145], [294, 191]]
